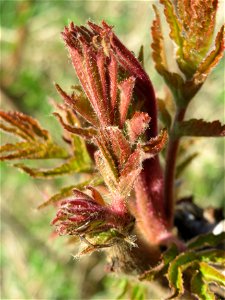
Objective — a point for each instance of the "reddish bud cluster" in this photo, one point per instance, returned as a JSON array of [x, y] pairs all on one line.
[[83, 214]]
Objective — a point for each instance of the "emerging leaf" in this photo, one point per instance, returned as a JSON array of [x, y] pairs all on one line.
[[88, 217], [37, 141], [155, 145], [137, 125], [80, 104], [130, 172], [129, 64], [205, 240], [72, 165], [175, 266], [120, 147], [191, 28], [194, 127], [211, 59], [86, 133], [199, 288], [126, 88], [62, 194]]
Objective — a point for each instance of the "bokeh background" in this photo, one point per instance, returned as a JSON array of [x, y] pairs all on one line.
[[33, 57]]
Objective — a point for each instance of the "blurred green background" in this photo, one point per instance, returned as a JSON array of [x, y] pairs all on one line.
[[33, 57]]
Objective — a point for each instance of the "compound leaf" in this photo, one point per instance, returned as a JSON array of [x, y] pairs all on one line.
[[210, 274], [199, 127], [72, 165], [174, 23], [211, 60], [206, 240], [200, 288], [68, 191]]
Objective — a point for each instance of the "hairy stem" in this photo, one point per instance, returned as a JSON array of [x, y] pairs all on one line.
[[169, 176], [149, 209]]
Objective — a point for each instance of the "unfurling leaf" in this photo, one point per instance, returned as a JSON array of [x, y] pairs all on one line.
[[130, 172], [158, 54], [155, 145], [194, 127], [128, 63], [62, 194], [39, 145], [126, 88], [80, 162], [174, 22], [211, 60], [90, 218], [120, 146], [137, 125], [107, 169], [72, 165], [174, 80], [29, 127], [191, 28], [37, 141], [80, 104], [86, 133]]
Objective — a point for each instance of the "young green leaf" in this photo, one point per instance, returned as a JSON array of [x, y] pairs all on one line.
[[194, 127], [72, 165], [175, 276], [80, 162], [160, 270], [174, 23], [37, 141], [206, 240], [211, 60], [68, 191], [200, 288], [210, 274], [174, 80]]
